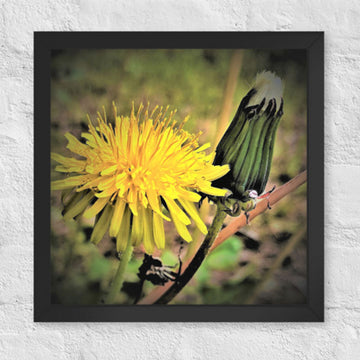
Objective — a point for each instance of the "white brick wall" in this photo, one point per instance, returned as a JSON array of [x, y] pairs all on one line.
[[337, 338]]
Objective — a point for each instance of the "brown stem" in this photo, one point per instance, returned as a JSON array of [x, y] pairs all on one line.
[[234, 70]]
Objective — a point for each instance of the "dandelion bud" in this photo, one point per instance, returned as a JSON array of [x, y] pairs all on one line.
[[248, 143]]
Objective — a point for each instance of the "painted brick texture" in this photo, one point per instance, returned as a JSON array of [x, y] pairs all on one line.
[[337, 338]]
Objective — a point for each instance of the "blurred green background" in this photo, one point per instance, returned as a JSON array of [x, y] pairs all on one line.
[[263, 263]]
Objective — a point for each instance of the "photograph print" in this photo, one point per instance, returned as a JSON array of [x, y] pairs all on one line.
[[178, 176]]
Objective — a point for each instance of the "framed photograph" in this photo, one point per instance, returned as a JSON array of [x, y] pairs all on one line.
[[179, 176]]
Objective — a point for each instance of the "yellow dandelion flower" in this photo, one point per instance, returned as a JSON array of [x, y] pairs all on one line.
[[135, 174]]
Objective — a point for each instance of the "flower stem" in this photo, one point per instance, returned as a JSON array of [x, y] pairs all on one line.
[[120, 272], [198, 258]]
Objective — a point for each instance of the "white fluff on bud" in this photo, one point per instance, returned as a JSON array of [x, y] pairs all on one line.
[[253, 194], [268, 86]]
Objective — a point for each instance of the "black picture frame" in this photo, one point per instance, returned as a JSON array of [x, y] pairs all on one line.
[[313, 43]]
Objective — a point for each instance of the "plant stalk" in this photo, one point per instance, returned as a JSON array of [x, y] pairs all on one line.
[[120, 272]]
